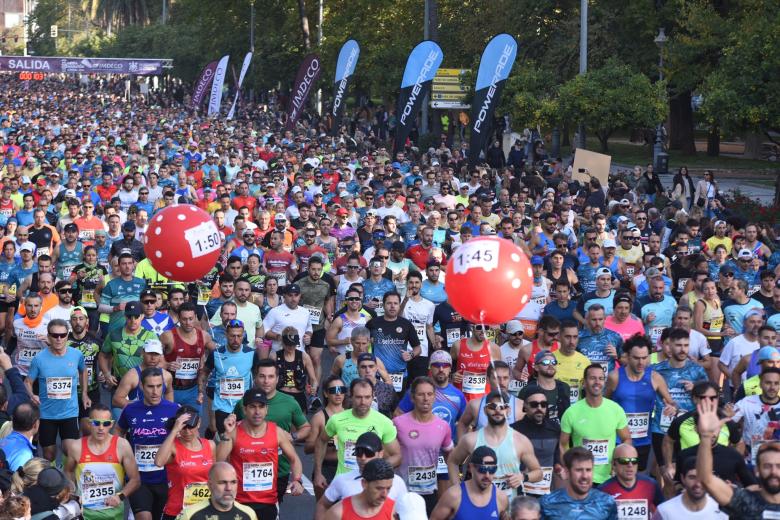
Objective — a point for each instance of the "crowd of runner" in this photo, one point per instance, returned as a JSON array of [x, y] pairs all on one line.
[[641, 381]]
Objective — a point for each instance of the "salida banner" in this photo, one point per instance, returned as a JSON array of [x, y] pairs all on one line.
[[421, 67], [308, 73], [494, 69], [81, 65], [345, 67]]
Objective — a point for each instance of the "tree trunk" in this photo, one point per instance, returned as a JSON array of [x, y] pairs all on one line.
[[681, 124], [304, 24], [604, 140], [753, 145], [566, 140], [713, 141]]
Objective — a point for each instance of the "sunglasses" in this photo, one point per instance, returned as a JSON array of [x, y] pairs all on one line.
[[353, 299], [487, 469], [728, 275], [58, 335], [547, 362], [149, 302], [104, 424], [552, 333], [336, 390], [625, 461], [364, 452], [440, 365], [383, 257], [497, 406], [519, 333], [537, 404], [65, 291], [235, 323]]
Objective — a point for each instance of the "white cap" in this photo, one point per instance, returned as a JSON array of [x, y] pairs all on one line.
[[609, 243], [153, 346], [603, 271], [411, 506], [25, 179], [27, 246], [70, 194], [295, 189], [514, 326], [745, 253]]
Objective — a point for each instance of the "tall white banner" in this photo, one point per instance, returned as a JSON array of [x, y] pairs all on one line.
[[216, 87], [244, 68]]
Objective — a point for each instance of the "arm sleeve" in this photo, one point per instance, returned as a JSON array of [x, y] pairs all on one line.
[[411, 334]]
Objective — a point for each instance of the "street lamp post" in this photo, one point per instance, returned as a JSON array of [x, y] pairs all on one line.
[[658, 147]]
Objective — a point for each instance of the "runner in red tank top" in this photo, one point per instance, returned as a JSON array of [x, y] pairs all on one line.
[[372, 503], [187, 459], [252, 448], [472, 357], [184, 348]]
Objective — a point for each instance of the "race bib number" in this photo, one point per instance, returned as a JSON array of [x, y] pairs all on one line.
[[502, 484], [398, 381], [350, 461], [315, 314], [655, 333], [258, 476], [94, 494], [771, 515], [599, 448], [666, 421], [633, 509], [474, 383], [144, 457], [26, 356], [88, 297], [281, 278], [204, 294], [638, 424], [681, 283], [41, 251], [515, 385], [453, 336], [716, 324], [630, 269], [422, 479], [441, 466], [203, 238], [543, 486], [188, 368], [231, 388], [540, 300], [481, 254], [574, 393], [419, 329], [59, 387], [67, 270], [195, 492]]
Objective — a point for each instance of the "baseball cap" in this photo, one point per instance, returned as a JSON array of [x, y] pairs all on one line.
[[153, 346], [291, 339], [537, 260], [78, 308], [652, 273], [128, 226], [248, 232], [254, 395], [369, 441], [603, 271], [101, 232], [609, 243], [371, 212], [280, 217], [52, 481], [25, 179], [293, 288], [27, 246], [725, 268], [133, 309], [514, 326], [379, 234], [480, 453], [70, 194], [70, 226], [296, 189], [622, 218], [541, 355], [410, 506], [441, 356], [147, 293], [365, 356], [768, 353], [745, 253], [625, 202], [342, 212]]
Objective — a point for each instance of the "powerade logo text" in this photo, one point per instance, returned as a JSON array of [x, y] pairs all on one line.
[[303, 88], [497, 75], [343, 83], [426, 68]]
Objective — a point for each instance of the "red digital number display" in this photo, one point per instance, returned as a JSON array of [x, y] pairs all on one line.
[[36, 76]]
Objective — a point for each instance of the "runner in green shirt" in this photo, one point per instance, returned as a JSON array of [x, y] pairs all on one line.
[[593, 422]]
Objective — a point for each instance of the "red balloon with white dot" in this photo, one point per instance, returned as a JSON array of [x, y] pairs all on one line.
[[489, 280], [182, 242]]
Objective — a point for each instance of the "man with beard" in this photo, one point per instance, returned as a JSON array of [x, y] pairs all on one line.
[[419, 312], [544, 434], [593, 423], [578, 499], [373, 502], [85, 342], [514, 449], [461, 501], [249, 247], [694, 502], [738, 503]]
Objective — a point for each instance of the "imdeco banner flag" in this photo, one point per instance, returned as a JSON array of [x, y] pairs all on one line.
[[216, 87], [244, 68], [202, 85], [421, 67], [308, 74], [345, 68], [494, 68]]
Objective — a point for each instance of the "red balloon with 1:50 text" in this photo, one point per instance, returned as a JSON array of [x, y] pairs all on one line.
[[489, 280], [182, 242]]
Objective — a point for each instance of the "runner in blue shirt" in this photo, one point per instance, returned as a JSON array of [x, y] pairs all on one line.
[[144, 422], [59, 370], [578, 499], [432, 289], [598, 344], [656, 309], [603, 295]]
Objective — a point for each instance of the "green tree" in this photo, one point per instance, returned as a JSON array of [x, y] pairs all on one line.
[[610, 98]]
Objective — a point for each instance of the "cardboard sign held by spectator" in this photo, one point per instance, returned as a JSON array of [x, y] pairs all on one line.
[[589, 164]]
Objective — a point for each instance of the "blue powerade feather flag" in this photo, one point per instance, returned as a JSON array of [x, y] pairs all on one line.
[[345, 68], [420, 69], [494, 69]]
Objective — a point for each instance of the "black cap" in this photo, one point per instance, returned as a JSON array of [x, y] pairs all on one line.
[[398, 246], [293, 288], [52, 481], [70, 227], [479, 454], [254, 395], [377, 469], [128, 226], [147, 293], [133, 309], [369, 441], [365, 356]]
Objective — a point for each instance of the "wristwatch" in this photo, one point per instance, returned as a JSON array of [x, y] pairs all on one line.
[[121, 496]]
